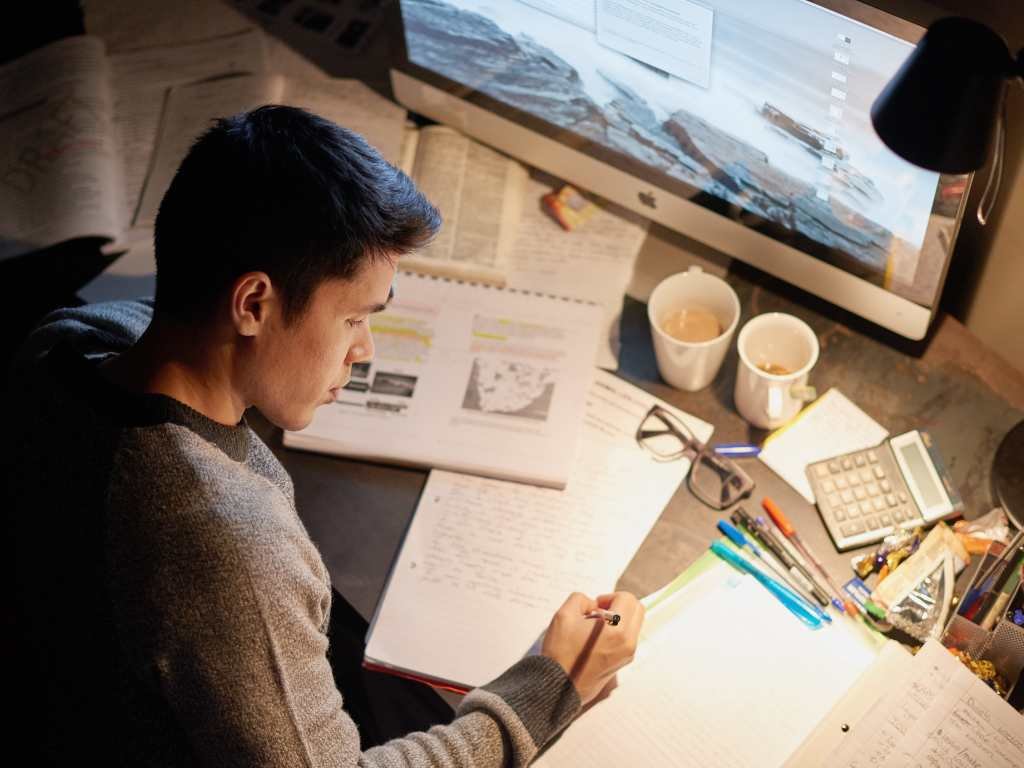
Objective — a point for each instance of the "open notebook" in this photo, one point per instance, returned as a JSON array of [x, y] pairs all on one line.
[[727, 677]]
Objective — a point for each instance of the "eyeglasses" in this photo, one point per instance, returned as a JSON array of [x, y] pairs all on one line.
[[713, 479]]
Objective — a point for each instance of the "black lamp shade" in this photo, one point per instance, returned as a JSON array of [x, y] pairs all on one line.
[[939, 110]]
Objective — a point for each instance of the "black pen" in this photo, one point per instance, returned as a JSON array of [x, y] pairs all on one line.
[[765, 535], [792, 576]]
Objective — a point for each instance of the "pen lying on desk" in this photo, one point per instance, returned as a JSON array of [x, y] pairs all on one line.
[[769, 541], [741, 541], [780, 519], [799, 607]]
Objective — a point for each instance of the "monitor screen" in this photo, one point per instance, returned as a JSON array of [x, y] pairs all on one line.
[[758, 113]]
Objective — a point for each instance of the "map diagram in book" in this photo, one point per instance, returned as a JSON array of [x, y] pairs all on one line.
[[509, 388]]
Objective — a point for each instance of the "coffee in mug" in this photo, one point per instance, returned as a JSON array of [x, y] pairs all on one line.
[[774, 369], [693, 324]]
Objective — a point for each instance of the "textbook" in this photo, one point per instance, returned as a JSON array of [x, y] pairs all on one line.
[[78, 128], [479, 193], [485, 564], [467, 377]]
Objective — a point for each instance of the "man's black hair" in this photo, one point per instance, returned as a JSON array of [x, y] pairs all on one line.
[[285, 192]]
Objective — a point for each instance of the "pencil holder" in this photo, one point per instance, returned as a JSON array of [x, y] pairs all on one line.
[[1003, 645]]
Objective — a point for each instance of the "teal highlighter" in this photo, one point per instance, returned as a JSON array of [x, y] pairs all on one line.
[[796, 604]]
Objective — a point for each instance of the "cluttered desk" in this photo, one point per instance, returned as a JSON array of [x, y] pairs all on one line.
[[562, 437]]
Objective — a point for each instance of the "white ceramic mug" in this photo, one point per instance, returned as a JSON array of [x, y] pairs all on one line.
[[769, 400], [691, 365]]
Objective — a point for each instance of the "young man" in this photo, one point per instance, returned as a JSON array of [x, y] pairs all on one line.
[[175, 608]]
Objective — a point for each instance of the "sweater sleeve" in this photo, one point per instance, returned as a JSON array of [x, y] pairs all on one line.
[[224, 602]]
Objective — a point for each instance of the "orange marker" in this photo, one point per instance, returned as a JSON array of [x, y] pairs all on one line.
[[780, 519]]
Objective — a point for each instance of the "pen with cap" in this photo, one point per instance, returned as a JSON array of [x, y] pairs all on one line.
[[736, 536], [769, 541], [799, 607]]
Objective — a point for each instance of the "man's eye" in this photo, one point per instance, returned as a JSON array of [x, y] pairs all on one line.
[[353, 322]]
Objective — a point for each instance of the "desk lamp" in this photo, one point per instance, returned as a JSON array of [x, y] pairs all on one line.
[[938, 112]]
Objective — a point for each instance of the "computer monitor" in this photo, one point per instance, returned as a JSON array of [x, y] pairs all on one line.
[[744, 125]]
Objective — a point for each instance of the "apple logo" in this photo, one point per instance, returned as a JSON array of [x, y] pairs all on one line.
[[647, 198]]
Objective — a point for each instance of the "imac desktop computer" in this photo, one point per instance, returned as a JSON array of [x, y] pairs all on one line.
[[743, 125]]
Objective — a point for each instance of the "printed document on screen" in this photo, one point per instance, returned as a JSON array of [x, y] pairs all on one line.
[[671, 35], [578, 12]]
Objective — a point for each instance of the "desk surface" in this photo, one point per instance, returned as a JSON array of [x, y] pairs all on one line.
[[965, 395]]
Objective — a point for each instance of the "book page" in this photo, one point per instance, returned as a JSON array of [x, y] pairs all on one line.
[[60, 174], [479, 193], [141, 79], [733, 681], [467, 377], [188, 112], [485, 552], [594, 262], [830, 426], [941, 717]]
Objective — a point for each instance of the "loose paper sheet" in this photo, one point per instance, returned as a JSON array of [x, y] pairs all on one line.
[[141, 79], [486, 563], [830, 426], [942, 716], [191, 109], [733, 681], [594, 262]]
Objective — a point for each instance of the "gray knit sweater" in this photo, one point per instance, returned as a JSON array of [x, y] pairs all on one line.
[[175, 605]]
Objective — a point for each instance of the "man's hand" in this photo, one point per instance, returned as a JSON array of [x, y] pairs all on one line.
[[590, 650]]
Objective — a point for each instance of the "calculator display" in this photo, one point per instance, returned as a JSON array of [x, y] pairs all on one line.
[[914, 459]]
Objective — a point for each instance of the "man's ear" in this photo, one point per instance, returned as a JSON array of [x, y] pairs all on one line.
[[253, 297]]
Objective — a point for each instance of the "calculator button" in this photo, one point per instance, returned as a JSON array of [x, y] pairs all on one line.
[[853, 478], [865, 475], [879, 472], [885, 519], [891, 500], [902, 496], [852, 511], [871, 522], [833, 500], [872, 489], [872, 457], [866, 508], [821, 470], [828, 486], [846, 463], [841, 483], [859, 493], [897, 515], [879, 503], [846, 496], [886, 486], [839, 514], [858, 460], [852, 528], [833, 467]]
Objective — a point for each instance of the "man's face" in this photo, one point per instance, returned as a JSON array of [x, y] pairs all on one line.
[[301, 365]]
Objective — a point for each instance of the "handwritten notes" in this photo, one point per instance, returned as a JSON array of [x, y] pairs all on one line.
[[481, 552], [941, 716]]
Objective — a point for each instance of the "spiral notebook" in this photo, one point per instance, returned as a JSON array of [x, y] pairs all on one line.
[[467, 377]]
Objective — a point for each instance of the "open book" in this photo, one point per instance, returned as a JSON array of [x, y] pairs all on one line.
[[77, 130], [467, 377], [479, 193], [485, 563]]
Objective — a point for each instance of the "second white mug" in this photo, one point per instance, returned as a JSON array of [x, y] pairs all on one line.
[[777, 352]]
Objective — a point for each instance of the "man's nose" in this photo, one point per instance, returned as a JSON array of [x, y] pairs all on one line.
[[362, 350]]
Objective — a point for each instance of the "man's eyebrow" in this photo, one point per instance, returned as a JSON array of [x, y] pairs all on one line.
[[373, 308]]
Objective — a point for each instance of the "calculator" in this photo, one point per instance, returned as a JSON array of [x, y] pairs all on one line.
[[863, 496]]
